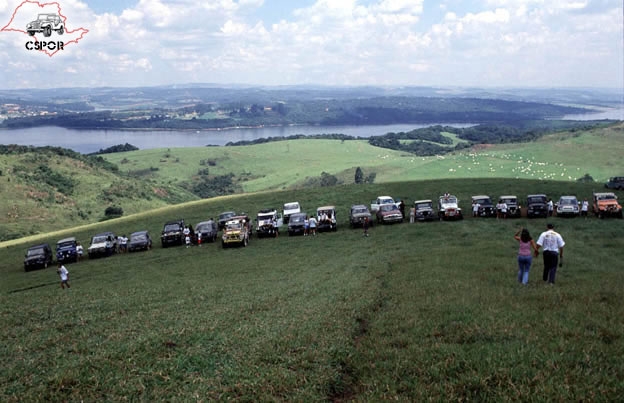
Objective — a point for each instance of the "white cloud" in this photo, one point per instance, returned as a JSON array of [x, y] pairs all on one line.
[[482, 42]]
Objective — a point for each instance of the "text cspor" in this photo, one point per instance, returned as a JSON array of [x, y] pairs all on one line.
[[40, 45]]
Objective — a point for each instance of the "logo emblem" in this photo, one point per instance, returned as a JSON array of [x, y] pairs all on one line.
[[48, 31]]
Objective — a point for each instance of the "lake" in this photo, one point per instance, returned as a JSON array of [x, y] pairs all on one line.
[[88, 141]]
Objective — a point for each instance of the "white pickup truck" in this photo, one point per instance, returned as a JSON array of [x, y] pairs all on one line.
[[381, 200]]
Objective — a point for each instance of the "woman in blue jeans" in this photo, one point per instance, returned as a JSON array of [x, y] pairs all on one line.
[[524, 254]]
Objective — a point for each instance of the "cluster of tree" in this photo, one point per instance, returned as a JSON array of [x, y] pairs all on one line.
[[119, 148], [210, 186], [113, 212], [429, 139], [360, 178], [327, 136]]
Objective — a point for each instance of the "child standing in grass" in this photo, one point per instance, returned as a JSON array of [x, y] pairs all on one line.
[[62, 271]]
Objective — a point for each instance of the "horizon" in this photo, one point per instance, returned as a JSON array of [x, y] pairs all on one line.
[[243, 86], [486, 44]]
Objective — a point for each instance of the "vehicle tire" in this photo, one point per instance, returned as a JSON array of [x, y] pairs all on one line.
[[45, 265], [60, 31], [31, 33], [164, 245], [47, 32], [223, 245]]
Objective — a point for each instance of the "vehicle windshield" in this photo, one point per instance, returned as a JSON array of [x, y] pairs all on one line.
[[234, 226], [35, 252], [42, 17], [362, 210], [423, 205], [297, 219], [225, 216], [291, 206], [99, 239], [450, 199], [568, 202], [388, 207], [328, 212], [386, 201], [264, 217], [537, 200], [137, 237], [64, 245], [509, 201], [607, 197], [483, 201], [203, 227], [172, 227]]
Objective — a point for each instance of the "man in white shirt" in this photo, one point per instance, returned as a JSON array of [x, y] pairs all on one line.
[[553, 245]]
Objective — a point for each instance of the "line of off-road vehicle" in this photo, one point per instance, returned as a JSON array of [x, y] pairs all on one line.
[[237, 229]]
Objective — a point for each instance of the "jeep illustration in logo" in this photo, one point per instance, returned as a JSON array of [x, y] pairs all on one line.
[[46, 23]]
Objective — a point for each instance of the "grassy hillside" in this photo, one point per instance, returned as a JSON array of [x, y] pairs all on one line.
[[46, 189], [413, 312], [280, 165]]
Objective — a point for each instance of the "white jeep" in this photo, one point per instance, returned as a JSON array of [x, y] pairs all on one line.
[[448, 208]]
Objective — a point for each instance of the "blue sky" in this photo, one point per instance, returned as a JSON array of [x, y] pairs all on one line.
[[484, 43]]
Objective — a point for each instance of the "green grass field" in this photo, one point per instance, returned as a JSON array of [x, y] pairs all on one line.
[[562, 156], [430, 311]]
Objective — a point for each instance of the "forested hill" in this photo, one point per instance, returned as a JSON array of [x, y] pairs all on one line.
[[365, 111]]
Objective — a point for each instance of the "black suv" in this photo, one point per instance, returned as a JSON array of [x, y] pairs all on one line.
[[296, 224], [66, 250], [38, 256], [206, 231], [537, 206], [486, 207], [172, 233], [616, 182]]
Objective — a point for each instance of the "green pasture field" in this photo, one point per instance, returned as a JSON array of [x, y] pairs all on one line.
[[564, 156], [429, 311]]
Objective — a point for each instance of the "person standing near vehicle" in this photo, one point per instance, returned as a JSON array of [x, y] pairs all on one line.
[[503, 209], [584, 208], [551, 207], [187, 236], [312, 223], [475, 209], [62, 271], [79, 251], [365, 226], [553, 245], [412, 214], [525, 250], [275, 226]]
